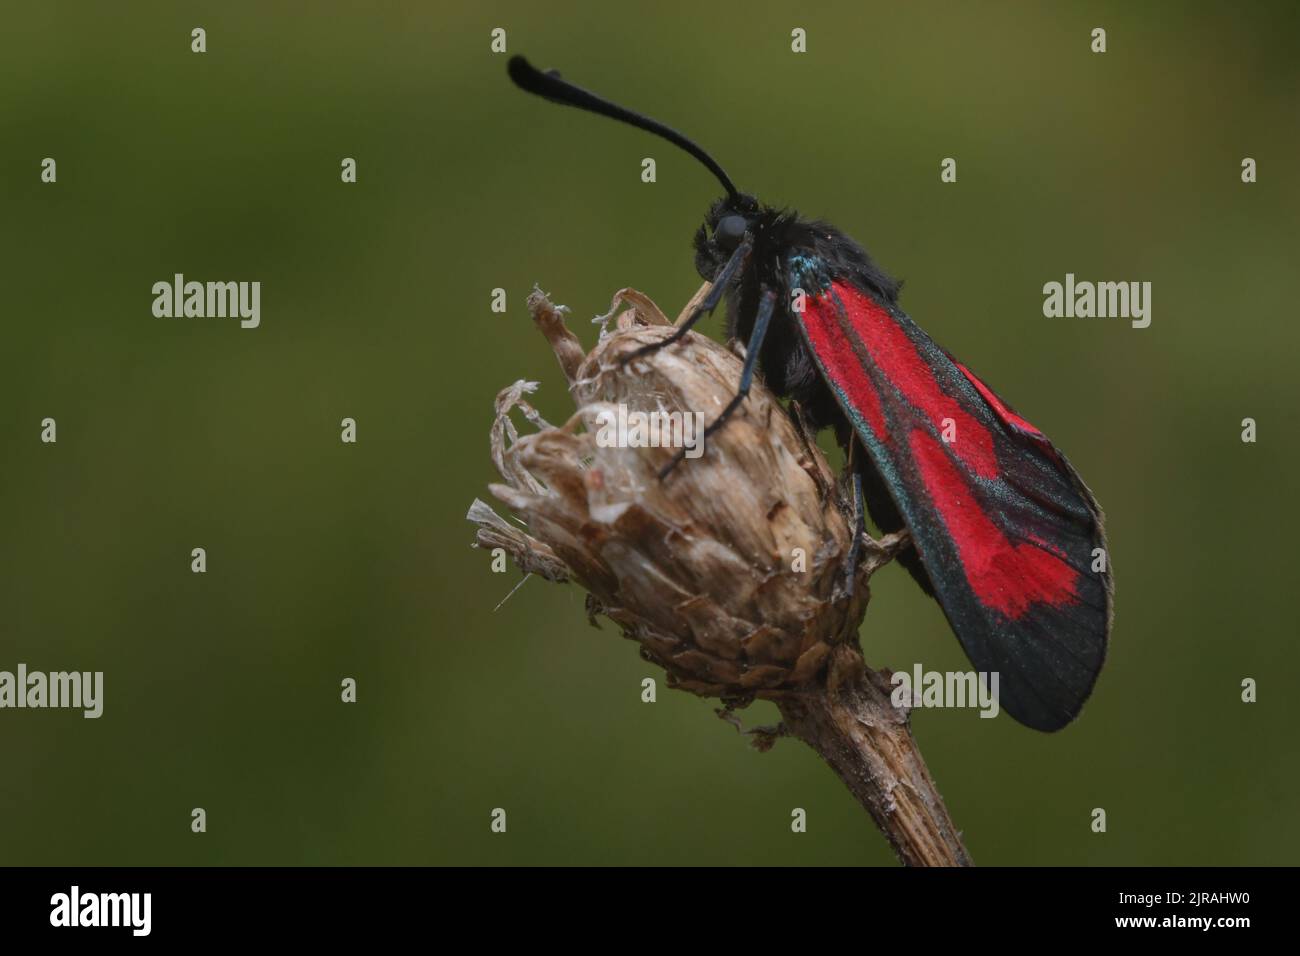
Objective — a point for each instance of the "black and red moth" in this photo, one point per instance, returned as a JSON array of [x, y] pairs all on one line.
[[1003, 531]]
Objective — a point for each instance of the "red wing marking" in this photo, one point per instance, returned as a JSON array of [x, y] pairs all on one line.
[[1006, 576], [907, 371], [1007, 415], [845, 368]]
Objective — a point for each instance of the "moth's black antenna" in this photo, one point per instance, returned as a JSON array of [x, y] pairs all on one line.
[[550, 86]]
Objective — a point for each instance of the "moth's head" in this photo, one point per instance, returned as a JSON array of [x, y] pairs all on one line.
[[729, 221]]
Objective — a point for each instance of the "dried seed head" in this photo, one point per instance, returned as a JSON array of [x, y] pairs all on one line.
[[730, 571]]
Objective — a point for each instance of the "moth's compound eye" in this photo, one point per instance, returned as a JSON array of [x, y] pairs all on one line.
[[729, 231]]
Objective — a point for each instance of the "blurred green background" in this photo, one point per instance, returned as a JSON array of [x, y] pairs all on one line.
[[328, 560]]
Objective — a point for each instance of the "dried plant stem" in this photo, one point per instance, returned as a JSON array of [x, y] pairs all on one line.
[[854, 727]]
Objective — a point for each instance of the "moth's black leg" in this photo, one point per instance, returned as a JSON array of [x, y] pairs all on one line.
[[724, 277], [859, 531], [895, 542], [894, 535], [766, 305]]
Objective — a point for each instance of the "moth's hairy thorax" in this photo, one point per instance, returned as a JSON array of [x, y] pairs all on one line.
[[790, 253]]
